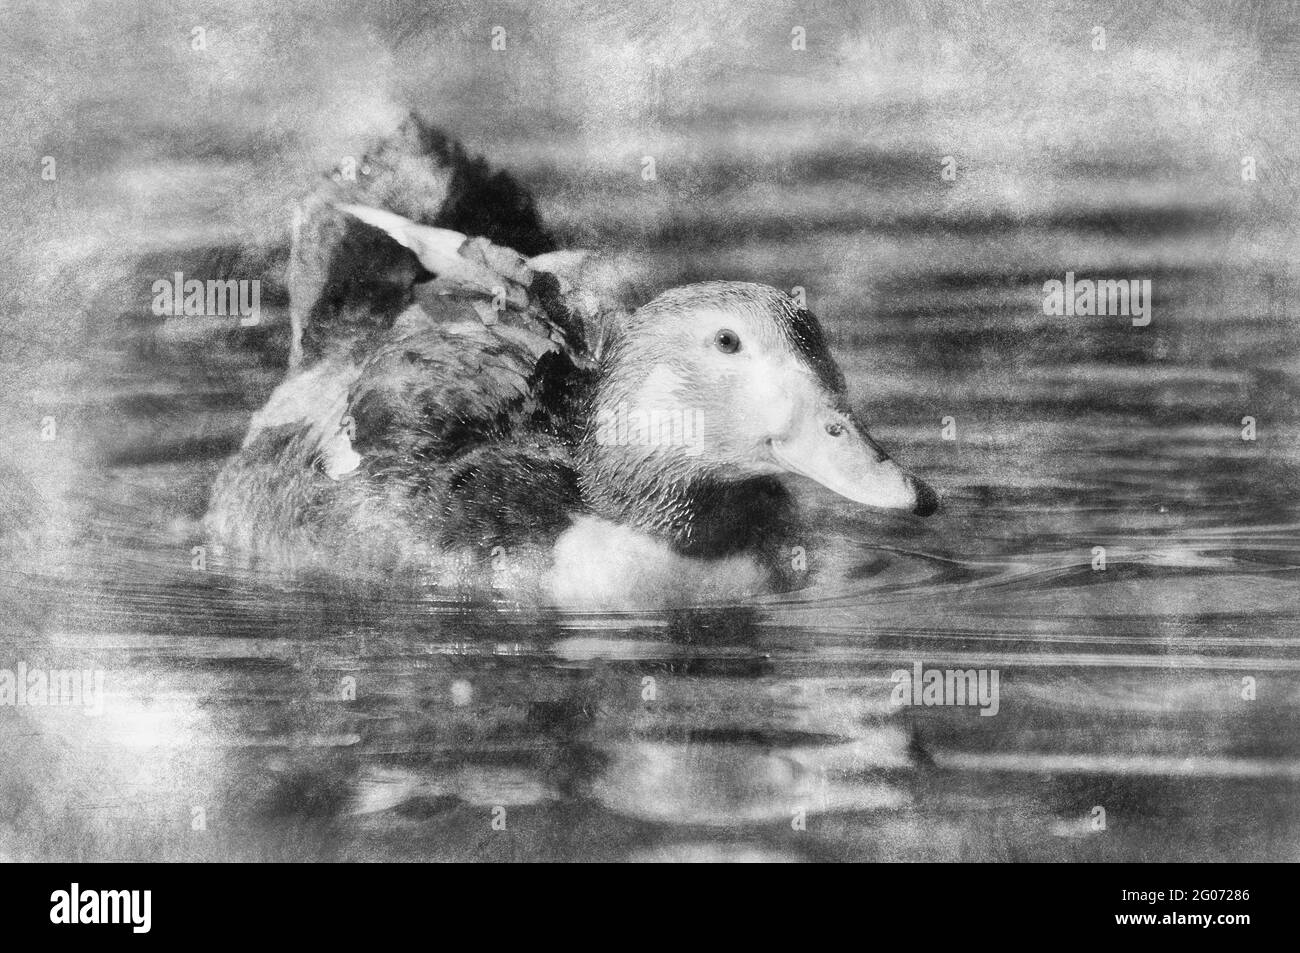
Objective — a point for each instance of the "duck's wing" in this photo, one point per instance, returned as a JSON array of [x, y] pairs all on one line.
[[446, 431], [439, 252], [581, 295], [495, 343], [442, 384], [437, 384], [475, 427]]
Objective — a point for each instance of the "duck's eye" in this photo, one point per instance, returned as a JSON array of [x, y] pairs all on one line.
[[835, 430], [727, 341]]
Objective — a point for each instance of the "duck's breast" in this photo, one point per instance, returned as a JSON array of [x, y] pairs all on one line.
[[600, 565]]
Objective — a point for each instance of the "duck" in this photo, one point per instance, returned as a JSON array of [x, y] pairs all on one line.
[[521, 432]]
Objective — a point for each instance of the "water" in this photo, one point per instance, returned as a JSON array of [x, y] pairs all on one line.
[[1147, 710]]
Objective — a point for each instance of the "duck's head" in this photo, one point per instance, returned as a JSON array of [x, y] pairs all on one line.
[[727, 381]]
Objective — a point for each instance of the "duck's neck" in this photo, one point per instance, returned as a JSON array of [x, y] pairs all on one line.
[[697, 513]]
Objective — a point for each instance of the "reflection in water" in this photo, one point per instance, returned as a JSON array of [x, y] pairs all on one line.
[[313, 724]]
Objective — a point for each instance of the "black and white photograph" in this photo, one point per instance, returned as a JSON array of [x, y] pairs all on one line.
[[813, 431]]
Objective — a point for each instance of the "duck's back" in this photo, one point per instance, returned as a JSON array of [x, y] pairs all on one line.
[[441, 438]]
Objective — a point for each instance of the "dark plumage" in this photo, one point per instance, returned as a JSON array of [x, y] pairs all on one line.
[[344, 272], [466, 434]]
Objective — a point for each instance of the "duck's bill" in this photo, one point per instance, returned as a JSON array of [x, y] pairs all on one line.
[[850, 463]]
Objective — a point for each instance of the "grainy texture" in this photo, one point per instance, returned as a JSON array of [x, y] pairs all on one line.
[[370, 718]]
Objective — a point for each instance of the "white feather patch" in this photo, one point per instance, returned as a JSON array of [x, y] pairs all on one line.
[[599, 565]]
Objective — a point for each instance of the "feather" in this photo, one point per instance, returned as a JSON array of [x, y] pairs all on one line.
[[437, 249]]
